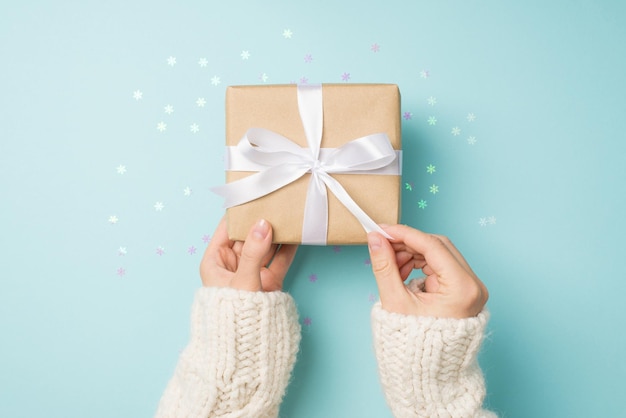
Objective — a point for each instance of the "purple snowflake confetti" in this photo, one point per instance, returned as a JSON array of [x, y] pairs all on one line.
[[407, 115], [336, 249], [313, 278], [160, 250], [308, 58], [121, 271], [191, 250], [375, 47], [307, 321], [345, 77], [206, 238]]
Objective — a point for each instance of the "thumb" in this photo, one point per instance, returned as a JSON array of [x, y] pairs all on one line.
[[385, 268], [256, 246]]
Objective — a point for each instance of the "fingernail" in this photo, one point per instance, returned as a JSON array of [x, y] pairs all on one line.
[[373, 241], [261, 229]]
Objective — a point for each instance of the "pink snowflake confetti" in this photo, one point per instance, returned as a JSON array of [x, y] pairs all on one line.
[[345, 76], [160, 250], [206, 238], [313, 278], [307, 321], [191, 250], [407, 115], [308, 58], [121, 271], [375, 47]]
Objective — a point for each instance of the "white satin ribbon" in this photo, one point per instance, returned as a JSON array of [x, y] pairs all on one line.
[[280, 161]]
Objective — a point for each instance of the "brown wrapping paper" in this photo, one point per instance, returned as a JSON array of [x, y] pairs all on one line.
[[350, 112]]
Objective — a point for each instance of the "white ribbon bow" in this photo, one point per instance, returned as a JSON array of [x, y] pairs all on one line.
[[280, 161]]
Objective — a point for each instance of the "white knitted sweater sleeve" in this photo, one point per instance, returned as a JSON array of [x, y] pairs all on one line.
[[428, 366], [238, 362]]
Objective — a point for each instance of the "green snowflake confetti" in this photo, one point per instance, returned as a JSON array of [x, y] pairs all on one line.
[[432, 120], [431, 169], [434, 189], [408, 186], [422, 204]]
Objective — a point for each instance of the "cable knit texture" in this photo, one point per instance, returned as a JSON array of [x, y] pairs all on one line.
[[428, 366], [242, 350]]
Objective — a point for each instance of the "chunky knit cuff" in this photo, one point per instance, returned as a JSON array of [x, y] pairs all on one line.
[[428, 366], [242, 351]]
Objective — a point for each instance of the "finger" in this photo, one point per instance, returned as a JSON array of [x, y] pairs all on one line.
[[283, 259], [390, 284], [210, 257], [457, 254], [256, 247], [437, 255], [219, 238], [273, 276]]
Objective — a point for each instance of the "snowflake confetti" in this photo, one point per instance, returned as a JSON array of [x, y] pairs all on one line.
[[371, 298], [191, 250], [432, 120], [201, 102], [206, 238], [456, 131], [187, 191], [215, 80], [431, 169], [432, 101], [307, 321], [424, 73], [287, 34], [158, 206], [471, 117], [375, 47], [471, 140], [313, 278], [194, 128], [121, 271], [308, 58], [169, 109], [408, 186], [160, 250], [304, 80], [245, 55], [121, 251], [171, 61], [422, 204], [345, 77], [336, 249], [263, 77], [137, 95], [407, 115], [161, 126], [434, 189], [482, 222], [121, 169], [203, 62], [113, 219]]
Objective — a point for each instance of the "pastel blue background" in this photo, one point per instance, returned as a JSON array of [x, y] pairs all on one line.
[[92, 317]]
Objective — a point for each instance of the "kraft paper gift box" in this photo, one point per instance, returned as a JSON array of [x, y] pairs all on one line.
[[350, 111]]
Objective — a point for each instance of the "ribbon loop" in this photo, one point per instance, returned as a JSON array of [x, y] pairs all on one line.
[[280, 161]]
